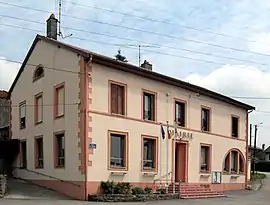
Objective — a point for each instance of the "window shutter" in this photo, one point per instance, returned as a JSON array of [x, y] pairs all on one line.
[[113, 98], [120, 100], [152, 104]]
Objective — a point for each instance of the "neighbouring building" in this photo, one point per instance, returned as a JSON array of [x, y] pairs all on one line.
[[4, 115], [96, 119]]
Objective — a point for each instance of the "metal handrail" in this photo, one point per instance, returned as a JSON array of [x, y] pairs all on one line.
[[159, 179], [68, 182]]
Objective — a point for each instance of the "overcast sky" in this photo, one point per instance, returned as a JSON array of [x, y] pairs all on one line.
[[178, 34]]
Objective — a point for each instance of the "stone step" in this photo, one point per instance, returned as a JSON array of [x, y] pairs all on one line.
[[207, 191], [201, 196]]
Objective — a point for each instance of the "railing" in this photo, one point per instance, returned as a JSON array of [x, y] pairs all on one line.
[[51, 177]]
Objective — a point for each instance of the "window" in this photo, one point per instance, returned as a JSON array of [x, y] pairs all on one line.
[[234, 162], [205, 158], [59, 100], [60, 150], [205, 119], [38, 73], [149, 104], [22, 115], [235, 126], [149, 153], [118, 150], [39, 153], [118, 99], [227, 163], [180, 113], [38, 108], [23, 155]]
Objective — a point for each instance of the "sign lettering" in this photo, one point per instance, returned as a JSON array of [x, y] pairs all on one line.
[[180, 135]]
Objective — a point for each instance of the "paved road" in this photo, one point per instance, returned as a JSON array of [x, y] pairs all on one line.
[[260, 197]]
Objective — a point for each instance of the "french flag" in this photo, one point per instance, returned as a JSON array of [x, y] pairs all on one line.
[[162, 132], [168, 132]]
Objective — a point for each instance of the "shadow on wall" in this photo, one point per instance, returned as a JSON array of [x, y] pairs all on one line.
[[9, 150]]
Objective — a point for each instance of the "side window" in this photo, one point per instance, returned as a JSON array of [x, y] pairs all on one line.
[[22, 113]]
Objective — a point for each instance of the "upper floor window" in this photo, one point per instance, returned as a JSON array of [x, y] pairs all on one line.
[[118, 99], [235, 126], [38, 108], [180, 113], [22, 113], [118, 150], [149, 153], [149, 106], [38, 73], [205, 121], [59, 98]]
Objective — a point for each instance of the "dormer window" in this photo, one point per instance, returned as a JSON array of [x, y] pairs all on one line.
[[39, 73]]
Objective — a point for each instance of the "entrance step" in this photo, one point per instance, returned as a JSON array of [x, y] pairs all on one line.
[[193, 191]]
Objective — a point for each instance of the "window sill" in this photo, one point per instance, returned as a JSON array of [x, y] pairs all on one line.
[[149, 172], [150, 121], [59, 167], [39, 167], [205, 172], [37, 123], [118, 172], [233, 173], [118, 115], [59, 116], [22, 128], [23, 167], [206, 131]]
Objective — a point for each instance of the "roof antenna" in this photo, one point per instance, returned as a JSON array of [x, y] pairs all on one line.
[[60, 3]]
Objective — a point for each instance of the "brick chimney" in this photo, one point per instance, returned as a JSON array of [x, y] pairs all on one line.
[[263, 147], [146, 65], [52, 27]]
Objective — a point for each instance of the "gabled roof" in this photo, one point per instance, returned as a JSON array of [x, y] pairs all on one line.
[[267, 150], [3, 94], [126, 67]]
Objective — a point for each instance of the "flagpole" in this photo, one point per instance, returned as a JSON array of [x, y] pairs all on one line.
[[167, 155]]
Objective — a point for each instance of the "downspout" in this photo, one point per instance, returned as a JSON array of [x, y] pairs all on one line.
[[86, 122], [247, 128]]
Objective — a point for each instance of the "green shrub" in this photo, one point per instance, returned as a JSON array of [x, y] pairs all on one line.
[[123, 188], [108, 187], [137, 190], [148, 190], [161, 191]]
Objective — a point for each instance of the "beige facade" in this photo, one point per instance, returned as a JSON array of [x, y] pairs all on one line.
[[88, 82], [49, 56], [219, 138]]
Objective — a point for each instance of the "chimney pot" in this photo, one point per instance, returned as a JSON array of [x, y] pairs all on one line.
[[146, 65], [52, 27]]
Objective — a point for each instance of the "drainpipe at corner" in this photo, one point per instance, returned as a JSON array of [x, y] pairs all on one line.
[[86, 121], [247, 128]]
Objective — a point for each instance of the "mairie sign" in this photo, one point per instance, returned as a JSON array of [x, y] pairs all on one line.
[[180, 135]]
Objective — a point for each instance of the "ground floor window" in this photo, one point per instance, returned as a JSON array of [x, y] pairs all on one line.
[[39, 152], [149, 153], [118, 150], [60, 150], [234, 162], [23, 154], [205, 165]]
